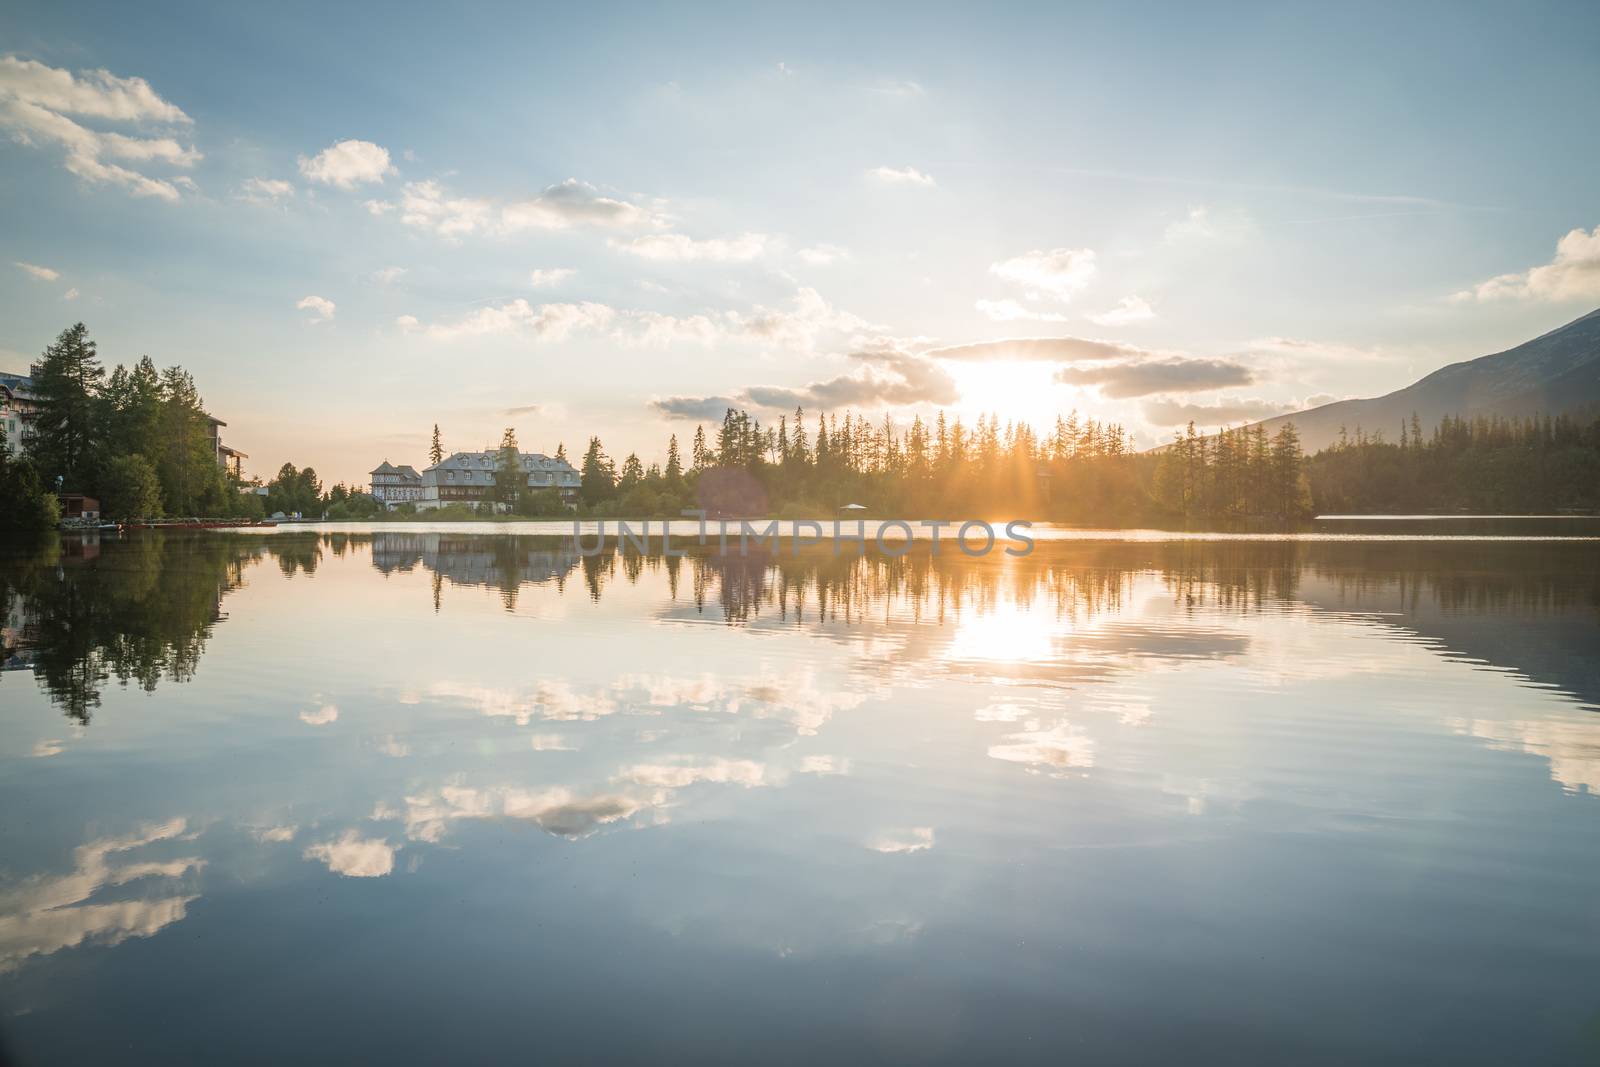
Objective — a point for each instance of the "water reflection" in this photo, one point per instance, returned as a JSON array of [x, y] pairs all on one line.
[[1101, 773]]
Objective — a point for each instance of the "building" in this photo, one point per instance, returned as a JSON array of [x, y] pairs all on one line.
[[468, 478], [392, 485], [19, 406], [229, 459], [76, 506]]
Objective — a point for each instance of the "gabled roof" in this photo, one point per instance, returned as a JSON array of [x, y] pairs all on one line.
[[384, 468]]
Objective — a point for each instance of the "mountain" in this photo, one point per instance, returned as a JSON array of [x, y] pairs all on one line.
[[1556, 373]]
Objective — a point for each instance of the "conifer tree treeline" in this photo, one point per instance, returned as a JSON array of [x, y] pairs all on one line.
[[1487, 465], [138, 439]]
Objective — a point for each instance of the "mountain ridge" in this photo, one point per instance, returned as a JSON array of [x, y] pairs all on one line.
[[1556, 373]]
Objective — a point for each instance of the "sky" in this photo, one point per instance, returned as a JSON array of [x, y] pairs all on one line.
[[353, 223]]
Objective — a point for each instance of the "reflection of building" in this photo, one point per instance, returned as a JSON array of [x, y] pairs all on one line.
[[391, 485], [474, 560], [468, 477], [19, 405]]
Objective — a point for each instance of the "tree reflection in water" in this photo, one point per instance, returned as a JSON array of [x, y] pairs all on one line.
[[84, 610]]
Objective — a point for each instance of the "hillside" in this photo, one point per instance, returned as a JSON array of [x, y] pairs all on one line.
[[1555, 373]]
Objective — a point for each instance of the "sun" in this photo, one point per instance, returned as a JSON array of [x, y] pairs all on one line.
[[1016, 390]]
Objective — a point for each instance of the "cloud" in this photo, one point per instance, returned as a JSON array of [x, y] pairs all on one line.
[[545, 322], [36, 100], [1060, 272], [44, 274], [1128, 310], [888, 377], [1011, 311], [546, 279], [1040, 349], [695, 409], [320, 306], [652, 329], [264, 190], [823, 254], [1201, 224], [572, 203], [556, 811], [1062, 746], [355, 856], [915, 839], [1574, 274], [678, 773], [42, 915], [271, 835], [1166, 411], [93, 93], [678, 248], [347, 164], [387, 275], [524, 409], [900, 176], [425, 206], [325, 714], [1166, 374], [70, 294]]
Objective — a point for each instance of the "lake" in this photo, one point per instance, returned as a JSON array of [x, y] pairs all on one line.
[[456, 794]]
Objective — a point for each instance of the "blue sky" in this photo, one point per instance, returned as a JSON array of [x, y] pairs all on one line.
[[1212, 213]]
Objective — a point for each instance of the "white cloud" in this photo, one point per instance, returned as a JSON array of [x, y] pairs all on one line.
[[679, 772], [677, 248], [546, 279], [1011, 311], [1574, 274], [274, 835], [408, 323], [387, 275], [1060, 272], [41, 915], [1203, 224], [347, 164], [546, 322], [70, 294], [823, 254], [915, 839], [265, 190], [1062, 747], [44, 274], [35, 101], [355, 856], [425, 206], [1129, 309], [321, 307], [572, 203], [900, 176], [93, 93], [324, 715]]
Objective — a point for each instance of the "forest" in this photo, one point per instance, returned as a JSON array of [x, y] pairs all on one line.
[[137, 439]]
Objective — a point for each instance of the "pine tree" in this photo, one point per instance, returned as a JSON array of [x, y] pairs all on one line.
[[699, 455], [598, 476], [674, 462], [436, 450], [67, 380], [509, 478]]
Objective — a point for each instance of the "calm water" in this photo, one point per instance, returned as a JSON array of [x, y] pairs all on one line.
[[450, 797]]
